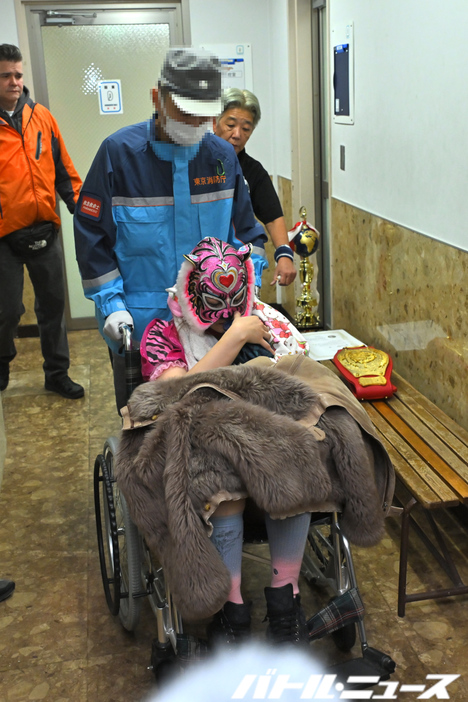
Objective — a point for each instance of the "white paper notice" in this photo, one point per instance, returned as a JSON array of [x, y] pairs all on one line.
[[324, 344]]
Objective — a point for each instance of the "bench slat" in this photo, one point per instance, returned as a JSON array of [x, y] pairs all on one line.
[[412, 481], [435, 426], [429, 437], [439, 414], [427, 453], [415, 474], [413, 402]]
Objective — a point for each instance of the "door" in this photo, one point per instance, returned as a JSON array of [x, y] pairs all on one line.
[[72, 51]]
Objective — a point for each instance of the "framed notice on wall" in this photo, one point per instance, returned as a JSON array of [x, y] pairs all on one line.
[[236, 64], [343, 75]]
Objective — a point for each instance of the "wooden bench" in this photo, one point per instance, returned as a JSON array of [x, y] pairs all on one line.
[[429, 452]]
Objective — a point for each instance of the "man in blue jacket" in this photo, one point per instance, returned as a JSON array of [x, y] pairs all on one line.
[[153, 191]]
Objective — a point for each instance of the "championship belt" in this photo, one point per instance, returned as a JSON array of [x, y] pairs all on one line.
[[368, 370]]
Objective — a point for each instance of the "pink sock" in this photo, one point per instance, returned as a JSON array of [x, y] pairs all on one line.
[[284, 572], [287, 538], [235, 591]]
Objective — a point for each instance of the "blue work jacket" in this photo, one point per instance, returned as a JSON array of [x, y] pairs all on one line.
[[143, 205]]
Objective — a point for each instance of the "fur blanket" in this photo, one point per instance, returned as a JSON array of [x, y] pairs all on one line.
[[290, 448]]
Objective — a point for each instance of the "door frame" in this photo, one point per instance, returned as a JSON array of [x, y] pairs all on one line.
[[307, 130], [164, 12], [23, 16], [322, 139]]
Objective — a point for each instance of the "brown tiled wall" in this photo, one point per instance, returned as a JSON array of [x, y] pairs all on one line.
[[408, 295]]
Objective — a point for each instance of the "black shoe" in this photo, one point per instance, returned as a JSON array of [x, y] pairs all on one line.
[[4, 375], [287, 622], [230, 626], [65, 387], [6, 589]]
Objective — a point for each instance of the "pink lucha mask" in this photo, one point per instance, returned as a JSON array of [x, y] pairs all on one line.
[[215, 281]]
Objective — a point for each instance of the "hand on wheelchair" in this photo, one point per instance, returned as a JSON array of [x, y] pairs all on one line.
[[115, 322]]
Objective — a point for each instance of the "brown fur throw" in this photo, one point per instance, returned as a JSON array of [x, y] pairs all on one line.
[[204, 443]]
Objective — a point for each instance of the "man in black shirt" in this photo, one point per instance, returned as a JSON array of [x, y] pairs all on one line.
[[239, 118]]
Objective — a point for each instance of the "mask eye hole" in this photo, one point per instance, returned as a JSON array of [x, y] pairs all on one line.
[[239, 297], [213, 303]]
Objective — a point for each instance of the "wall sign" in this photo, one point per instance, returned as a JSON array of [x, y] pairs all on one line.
[[110, 97], [236, 64], [343, 74]]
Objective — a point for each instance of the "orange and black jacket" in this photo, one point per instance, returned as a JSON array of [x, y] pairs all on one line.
[[34, 164]]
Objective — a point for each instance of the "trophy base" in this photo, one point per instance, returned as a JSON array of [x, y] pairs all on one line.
[[307, 320]]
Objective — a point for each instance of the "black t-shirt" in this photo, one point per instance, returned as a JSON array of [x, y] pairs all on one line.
[[265, 201]]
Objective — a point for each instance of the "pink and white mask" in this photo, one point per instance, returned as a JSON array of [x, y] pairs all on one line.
[[214, 281]]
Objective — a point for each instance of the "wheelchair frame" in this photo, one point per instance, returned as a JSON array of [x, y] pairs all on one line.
[[129, 574]]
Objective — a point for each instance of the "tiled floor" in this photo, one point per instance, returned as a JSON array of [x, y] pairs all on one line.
[[58, 641]]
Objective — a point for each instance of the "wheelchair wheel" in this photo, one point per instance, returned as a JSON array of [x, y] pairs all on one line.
[[129, 549], [106, 527]]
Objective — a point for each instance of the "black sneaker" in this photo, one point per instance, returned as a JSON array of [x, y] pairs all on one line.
[[286, 618], [65, 387], [4, 375], [230, 626], [6, 589]]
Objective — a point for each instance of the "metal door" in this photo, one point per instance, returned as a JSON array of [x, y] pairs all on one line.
[[72, 50]]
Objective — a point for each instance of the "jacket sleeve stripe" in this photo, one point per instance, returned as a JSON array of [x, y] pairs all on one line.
[[101, 280], [259, 252]]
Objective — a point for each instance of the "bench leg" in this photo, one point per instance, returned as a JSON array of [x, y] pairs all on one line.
[[442, 556], [404, 539]]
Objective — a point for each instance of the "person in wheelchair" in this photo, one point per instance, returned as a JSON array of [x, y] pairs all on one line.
[[218, 322]]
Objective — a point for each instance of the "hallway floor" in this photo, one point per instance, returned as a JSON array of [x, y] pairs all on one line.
[[58, 641]]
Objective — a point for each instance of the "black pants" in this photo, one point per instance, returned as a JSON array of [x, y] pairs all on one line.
[[46, 274]]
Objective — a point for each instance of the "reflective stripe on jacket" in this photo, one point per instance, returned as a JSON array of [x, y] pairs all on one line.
[[33, 165]]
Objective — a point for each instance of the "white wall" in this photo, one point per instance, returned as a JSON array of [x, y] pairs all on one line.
[[8, 31], [406, 154], [263, 24]]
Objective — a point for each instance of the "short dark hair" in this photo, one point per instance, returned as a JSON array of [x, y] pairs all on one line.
[[10, 52]]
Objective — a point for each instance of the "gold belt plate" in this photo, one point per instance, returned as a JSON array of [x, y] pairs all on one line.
[[365, 362]]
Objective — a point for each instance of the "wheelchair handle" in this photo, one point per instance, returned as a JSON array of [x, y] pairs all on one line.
[[126, 330], [132, 360]]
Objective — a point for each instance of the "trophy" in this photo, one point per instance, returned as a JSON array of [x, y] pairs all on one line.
[[304, 239]]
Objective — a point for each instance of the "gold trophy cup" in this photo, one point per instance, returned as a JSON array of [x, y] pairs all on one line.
[[305, 240]]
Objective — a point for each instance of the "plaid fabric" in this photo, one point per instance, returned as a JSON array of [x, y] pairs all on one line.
[[133, 376], [190, 649], [341, 611]]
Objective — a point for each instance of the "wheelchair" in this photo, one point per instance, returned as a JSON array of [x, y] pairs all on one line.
[[130, 574]]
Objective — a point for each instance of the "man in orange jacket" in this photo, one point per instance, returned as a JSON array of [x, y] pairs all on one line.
[[34, 164]]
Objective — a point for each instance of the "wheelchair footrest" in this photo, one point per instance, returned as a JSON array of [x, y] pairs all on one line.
[[373, 667], [342, 610]]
